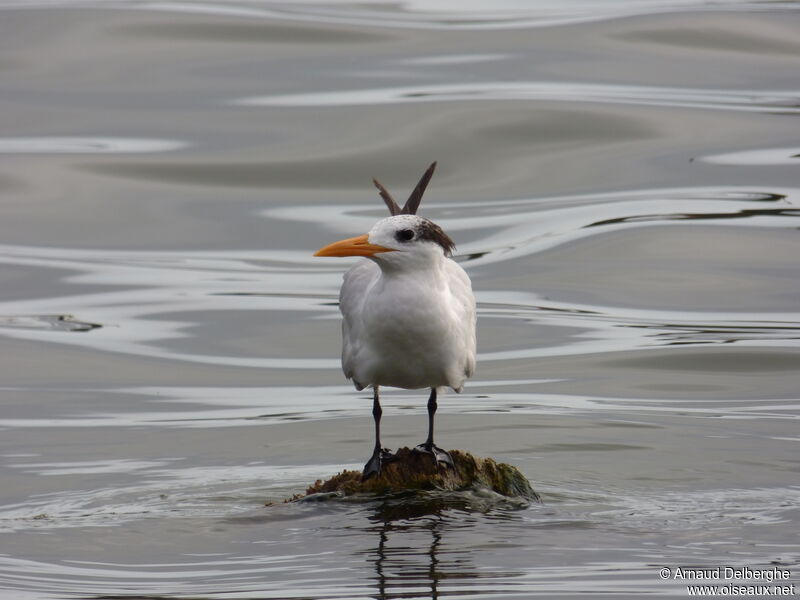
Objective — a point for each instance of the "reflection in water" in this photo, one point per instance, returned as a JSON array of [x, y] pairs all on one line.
[[413, 545], [415, 558], [413, 550], [394, 570]]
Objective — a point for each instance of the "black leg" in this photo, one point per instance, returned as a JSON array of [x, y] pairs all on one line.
[[379, 455], [432, 406], [429, 447]]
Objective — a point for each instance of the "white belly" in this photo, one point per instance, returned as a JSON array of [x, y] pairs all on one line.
[[400, 352]]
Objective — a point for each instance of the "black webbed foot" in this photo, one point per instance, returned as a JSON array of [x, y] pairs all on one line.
[[380, 457], [441, 456]]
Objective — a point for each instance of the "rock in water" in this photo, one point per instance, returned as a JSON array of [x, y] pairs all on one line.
[[416, 471]]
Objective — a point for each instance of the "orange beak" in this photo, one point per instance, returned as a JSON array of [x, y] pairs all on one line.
[[357, 246]]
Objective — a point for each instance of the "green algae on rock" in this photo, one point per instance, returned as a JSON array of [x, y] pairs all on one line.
[[416, 471]]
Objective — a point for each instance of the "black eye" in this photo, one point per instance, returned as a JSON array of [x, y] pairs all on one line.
[[405, 235]]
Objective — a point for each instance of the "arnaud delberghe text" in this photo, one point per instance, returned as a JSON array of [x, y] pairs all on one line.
[[769, 574]]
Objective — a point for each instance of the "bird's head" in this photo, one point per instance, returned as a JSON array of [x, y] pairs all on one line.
[[400, 233], [404, 232]]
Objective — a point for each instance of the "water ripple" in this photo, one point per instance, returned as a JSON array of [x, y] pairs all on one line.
[[768, 101], [206, 407], [160, 299], [512, 228], [757, 156], [163, 488], [87, 145], [421, 14], [372, 553]]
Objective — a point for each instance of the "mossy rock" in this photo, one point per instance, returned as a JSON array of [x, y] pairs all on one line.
[[418, 472]]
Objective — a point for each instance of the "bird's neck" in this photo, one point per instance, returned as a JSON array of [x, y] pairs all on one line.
[[407, 264]]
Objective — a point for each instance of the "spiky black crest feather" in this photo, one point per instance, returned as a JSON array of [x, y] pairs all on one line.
[[412, 204]]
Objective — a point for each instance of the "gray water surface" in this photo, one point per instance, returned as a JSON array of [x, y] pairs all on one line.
[[621, 179]]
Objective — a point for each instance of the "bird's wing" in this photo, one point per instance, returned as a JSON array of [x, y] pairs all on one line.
[[464, 304], [357, 280]]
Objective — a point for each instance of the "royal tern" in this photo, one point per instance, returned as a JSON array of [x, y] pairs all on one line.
[[408, 313]]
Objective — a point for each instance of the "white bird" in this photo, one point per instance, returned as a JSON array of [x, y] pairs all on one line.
[[409, 313]]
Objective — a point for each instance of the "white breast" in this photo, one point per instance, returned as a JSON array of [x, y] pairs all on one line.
[[408, 330]]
